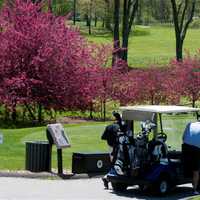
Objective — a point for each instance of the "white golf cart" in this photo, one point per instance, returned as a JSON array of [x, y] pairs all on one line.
[[161, 174]]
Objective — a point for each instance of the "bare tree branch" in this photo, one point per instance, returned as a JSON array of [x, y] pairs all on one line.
[[179, 7], [183, 14], [175, 16], [189, 19], [132, 17]]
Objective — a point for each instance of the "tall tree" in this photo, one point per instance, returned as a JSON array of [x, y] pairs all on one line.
[[129, 12], [183, 12]]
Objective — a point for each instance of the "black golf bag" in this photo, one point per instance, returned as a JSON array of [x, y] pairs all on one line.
[[126, 157], [124, 149]]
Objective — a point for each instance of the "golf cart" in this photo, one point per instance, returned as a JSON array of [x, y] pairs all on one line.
[[152, 164]]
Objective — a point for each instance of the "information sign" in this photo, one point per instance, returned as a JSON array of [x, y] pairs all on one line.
[[58, 134]]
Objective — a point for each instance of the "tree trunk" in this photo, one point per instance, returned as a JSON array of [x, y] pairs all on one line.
[[125, 30], [152, 100], [14, 115], [50, 9], [193, 102], [179, 50], [6, 114], [116, 38], [39, 113], [91, 110], [24, 114], [104, 110], [90, 18], [103, 23], [87, 20], [30, 112], [55, 115], [101, 109], [74, 14], [95, 20], [125, 48], [89, 28]]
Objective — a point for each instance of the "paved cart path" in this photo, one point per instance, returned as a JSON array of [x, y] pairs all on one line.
[[24, 188]]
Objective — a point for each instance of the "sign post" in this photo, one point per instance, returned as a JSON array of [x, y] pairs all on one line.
[[56, 135]]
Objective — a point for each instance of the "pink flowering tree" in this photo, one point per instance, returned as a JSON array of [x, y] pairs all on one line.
[[151, 85], [125, 87], [42, 59], [188, 78]]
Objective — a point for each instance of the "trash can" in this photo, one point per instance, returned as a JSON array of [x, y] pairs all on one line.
[[38, 156]]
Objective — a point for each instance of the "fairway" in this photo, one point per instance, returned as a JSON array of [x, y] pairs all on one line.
[[84, 137], [157, 47]]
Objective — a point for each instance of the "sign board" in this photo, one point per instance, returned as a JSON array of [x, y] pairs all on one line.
[[58, 134], [1, 138]]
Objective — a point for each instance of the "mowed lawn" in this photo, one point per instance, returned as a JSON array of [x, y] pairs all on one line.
[[156, 47], [83, 137]]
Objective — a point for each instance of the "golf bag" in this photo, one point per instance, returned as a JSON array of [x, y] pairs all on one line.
[[124, 150], [126, 157], [158, 149], [142, 148]]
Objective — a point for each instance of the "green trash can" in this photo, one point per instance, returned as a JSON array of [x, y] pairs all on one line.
[[38, 156]]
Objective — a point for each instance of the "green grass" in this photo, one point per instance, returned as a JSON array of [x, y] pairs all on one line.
[[195, 198], [157, 46], [83, 138]]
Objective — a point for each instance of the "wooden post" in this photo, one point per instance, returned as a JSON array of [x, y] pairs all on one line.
[[59, 160]]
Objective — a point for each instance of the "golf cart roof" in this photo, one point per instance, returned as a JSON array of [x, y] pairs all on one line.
[[146, 112]]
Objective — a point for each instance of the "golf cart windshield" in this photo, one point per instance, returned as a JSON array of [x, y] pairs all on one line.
[[170, 120]]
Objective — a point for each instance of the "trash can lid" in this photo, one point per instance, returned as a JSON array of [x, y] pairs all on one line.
[[37, 142]]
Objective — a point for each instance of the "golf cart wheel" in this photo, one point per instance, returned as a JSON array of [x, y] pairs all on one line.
[[119, 187], [162, 186]]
